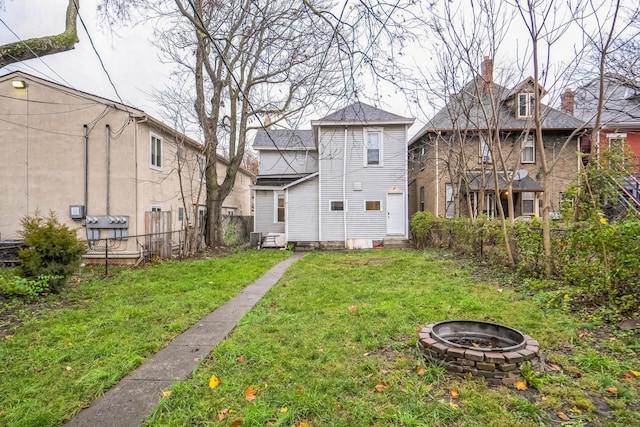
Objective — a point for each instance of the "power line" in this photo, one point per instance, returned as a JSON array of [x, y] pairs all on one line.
[[93, 46], [33, 53]]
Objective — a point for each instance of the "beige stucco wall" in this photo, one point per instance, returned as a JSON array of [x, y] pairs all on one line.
[[42, 141]]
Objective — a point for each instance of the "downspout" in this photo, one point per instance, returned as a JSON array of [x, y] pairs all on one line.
[[319, 187], [438, 178], [108, 165], [135, 156], [86, 169], [344, 187]]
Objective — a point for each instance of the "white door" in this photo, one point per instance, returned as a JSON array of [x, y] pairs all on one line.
[[395, 214]]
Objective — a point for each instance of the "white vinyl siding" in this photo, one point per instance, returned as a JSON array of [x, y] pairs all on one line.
[[302, 212], [264, 207], [359, 184]]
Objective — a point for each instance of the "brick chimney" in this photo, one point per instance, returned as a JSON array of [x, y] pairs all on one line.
[[486, 70], [567, 101]]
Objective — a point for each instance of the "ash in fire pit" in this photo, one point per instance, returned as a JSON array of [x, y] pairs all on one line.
[[484, 349]]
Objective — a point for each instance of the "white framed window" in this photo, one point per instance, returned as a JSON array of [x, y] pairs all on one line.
[[155, 152], [202, 167], [525, 104], [450, 205], [372, 205], [180, 214], [155, 208], [423, 155], [484, 150], [336, 205], [616, 140], [528, 200], [528, 149], [278, 207], [373, 147]]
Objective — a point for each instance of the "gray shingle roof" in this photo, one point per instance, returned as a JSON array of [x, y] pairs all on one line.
[[622, 101], [361, 112], [525, 184], [464, 111], [284, 139]]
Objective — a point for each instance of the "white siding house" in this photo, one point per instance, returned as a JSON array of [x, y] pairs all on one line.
[[342, 184]]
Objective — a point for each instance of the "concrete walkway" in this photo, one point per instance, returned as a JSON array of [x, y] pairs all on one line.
[[130, 401]]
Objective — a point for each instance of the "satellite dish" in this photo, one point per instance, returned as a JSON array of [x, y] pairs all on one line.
[[521, 174]]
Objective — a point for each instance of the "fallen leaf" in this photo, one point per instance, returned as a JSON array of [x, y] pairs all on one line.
[[454, 393], [69, 344], [240, 358], [635, 373], [563, 416], [220, 416], [612, 390], [8, 337], [554, 367], [69, 368], [236, 423], [475, 344], [250, 392], [369, 375], [500, 290], [320, 350], [453, 404], [381, 386], [629, 376], [166, 393], [576, 409], [420, 371], [520, 385], [284, 409], [352, 308], [214, 381], [383, 371], [300, 424]]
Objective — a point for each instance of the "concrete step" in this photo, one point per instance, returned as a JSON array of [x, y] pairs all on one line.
[[396, 243]]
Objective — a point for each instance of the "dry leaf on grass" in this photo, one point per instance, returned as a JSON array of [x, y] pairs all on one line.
[[166, 393], [353, 308], [420, 371], [381, 386], [563, 416], [454, 393], [250, 392], [222, 414], [240, 358], [214, 381], [612, 390]]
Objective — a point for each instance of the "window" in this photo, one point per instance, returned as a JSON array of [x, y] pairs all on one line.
[[528, 199], [372, 205], [617, 140], [373, 147], [156, 208], [202, 167], [525, 105], [528, 149], [279, 207], [422, 158], [421, 199], [180, 214], [156, 152], [337, 205], [450, 204], [485, 151]]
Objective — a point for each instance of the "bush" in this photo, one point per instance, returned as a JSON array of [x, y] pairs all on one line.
[[27, 288], [50, 249]]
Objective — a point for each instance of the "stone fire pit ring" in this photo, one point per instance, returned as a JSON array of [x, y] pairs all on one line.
[[480, 349]]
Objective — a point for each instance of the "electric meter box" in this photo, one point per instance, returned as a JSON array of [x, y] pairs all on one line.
[[76, 211]]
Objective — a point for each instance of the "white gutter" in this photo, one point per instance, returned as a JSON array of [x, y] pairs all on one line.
[[319, 187], [437, 178], [344, 186]]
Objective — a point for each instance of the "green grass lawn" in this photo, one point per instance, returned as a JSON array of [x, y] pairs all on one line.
[[59, 360], [332, 344]]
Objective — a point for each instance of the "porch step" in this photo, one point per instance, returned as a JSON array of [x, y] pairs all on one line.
[[396, 243]]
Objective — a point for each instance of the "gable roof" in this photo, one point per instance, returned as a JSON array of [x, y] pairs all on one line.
[[361, 113], [466, 111], [622, 101], [284, 139]]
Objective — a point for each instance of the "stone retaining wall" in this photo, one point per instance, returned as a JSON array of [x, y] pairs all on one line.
[[497, 367]]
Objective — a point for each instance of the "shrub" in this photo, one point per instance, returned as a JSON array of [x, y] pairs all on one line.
[[50, 249], [28, 288]]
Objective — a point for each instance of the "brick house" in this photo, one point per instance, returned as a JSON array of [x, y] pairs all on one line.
[[479, 152]]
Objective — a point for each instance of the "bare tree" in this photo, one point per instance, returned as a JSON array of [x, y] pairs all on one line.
[[40, 46]]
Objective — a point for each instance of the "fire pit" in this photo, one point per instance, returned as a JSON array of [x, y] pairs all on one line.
[[481, 349]]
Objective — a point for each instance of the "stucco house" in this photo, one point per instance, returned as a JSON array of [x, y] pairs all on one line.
[[480, 150], [341, 184], [103, 167]]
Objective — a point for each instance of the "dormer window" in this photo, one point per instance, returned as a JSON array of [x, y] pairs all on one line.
[[525, 105]]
